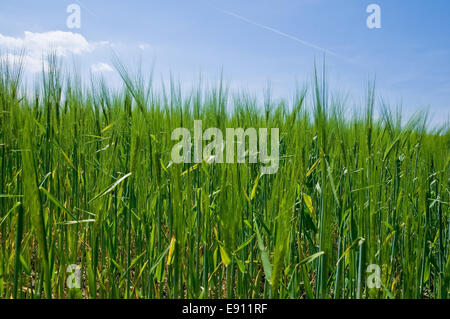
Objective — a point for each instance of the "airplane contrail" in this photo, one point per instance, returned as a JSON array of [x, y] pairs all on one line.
[[305, 43]]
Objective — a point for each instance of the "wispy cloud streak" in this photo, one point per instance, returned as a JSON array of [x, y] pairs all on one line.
[[288, 36]]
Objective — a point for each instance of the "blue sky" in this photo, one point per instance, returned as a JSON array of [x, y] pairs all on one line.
[[254, 41]]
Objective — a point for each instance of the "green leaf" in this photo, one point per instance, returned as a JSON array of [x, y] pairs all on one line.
[[56, 202], [264, 255], [311, 258], [245, 244], [111, 188], [225, 258]]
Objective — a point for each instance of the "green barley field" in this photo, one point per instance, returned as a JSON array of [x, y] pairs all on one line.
[[86, 179]]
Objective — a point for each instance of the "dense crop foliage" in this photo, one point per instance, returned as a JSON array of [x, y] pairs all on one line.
[[86, 178]]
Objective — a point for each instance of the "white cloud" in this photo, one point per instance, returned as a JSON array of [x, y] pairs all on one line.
[[101, 67], [60, 42], [144, 46], [36, 45], [32, 63]]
